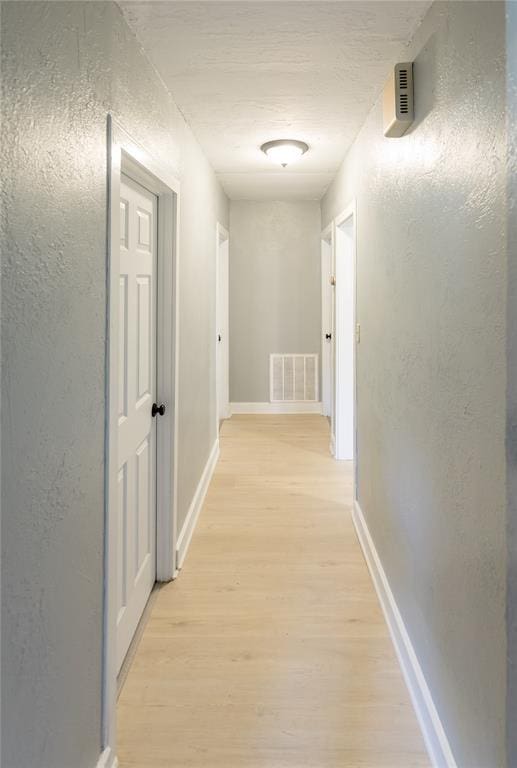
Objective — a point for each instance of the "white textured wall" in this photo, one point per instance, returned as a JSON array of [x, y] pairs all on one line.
[[511, 37], [431, 367], [203, 204], [275, 289], [65, 64]]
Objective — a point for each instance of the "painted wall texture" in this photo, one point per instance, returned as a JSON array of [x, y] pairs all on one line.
[[431, 365], [64, 66], [275, 289], [511, 435]]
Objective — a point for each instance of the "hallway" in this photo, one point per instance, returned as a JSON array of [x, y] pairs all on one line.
[[271, 650]]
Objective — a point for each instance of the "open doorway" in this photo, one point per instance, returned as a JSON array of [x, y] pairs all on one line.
[[222, 324], [345, 335]]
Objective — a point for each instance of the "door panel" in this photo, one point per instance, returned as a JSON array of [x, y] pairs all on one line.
[[122, 357], [137, 392], [327, 299], [222, 323]]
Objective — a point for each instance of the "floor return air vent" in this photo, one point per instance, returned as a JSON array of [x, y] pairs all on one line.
[[293, 378]]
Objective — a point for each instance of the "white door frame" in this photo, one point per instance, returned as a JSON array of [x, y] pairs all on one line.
[[128, 156], [348, 215], [327, 322], [222, 236]]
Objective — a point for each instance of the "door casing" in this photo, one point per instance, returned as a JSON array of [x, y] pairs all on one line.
[[128, 156], [348, 219]]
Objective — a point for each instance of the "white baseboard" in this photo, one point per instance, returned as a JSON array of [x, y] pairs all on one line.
[[195, 508], [107, 759], [265, 408], [432, 729]]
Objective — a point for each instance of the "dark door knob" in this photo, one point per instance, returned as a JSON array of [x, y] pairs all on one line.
[[157, 409], [328, 336], [219, 337]]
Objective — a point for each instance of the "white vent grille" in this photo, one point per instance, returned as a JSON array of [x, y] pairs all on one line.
[[293, 378], [404, 72], [397, 101]]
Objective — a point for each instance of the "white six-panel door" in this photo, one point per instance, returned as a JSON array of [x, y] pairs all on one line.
[[222, 326], [327, 328], [136, 395]]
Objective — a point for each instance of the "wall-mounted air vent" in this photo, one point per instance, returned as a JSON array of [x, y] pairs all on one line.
[[397, 101], [293, 378]]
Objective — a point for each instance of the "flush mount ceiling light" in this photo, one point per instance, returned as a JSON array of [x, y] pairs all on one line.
[[284, 151]]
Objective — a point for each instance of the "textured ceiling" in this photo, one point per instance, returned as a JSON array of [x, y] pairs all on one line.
[[244, 72]]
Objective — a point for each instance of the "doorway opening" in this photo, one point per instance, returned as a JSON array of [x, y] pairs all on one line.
[[345, 335], [141, 397], [222, 324]]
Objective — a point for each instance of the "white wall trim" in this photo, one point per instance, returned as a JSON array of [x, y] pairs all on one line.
[[346, 213], [328, 232], [341, 366], [107, 759], [431, 726], [196, 505], [283, 407], [222, 233]]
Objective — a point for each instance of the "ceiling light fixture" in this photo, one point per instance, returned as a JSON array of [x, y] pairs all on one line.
[[284, 151]]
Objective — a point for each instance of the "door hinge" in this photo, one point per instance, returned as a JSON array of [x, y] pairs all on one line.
[[358, 333]]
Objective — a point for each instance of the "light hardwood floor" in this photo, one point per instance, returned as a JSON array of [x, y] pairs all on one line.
[[270, 649]]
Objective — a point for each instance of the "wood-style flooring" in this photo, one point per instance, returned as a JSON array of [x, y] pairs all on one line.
[[270, 649]]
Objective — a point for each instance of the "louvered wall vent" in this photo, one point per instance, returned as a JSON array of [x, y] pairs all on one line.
[[397, 101], [293, 378]]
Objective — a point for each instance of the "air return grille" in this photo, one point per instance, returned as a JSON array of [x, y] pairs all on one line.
[[293, 378]]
